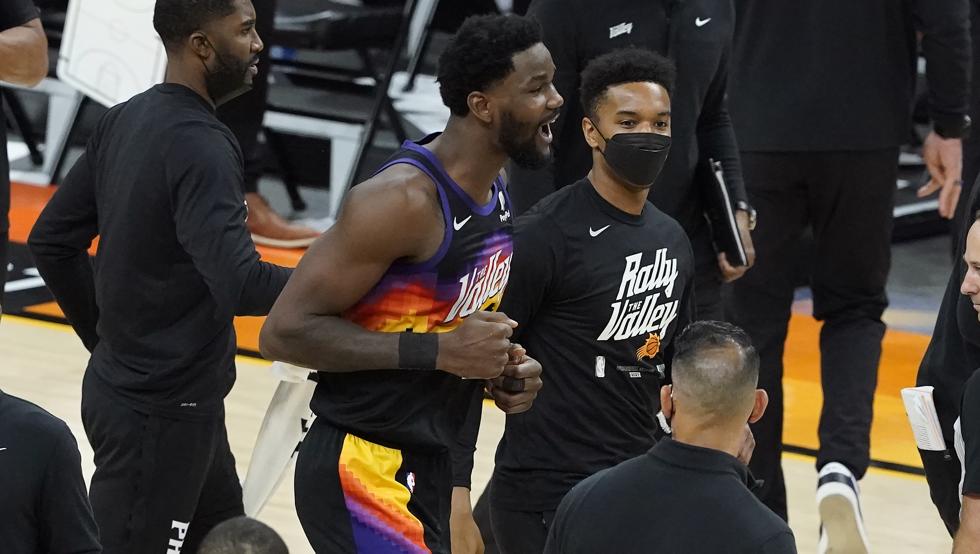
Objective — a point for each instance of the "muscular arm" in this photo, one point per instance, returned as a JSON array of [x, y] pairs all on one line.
[[395, 216], [24, 54]]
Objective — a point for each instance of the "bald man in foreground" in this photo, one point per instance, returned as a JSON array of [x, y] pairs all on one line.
[[688, 493]]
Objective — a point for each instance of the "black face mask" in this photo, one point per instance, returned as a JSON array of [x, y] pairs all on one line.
[[228, 80], [636, 157]]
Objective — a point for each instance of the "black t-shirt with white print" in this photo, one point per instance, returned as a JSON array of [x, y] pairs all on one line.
[[598, 295]]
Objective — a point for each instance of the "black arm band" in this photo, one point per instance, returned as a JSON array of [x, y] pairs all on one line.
[[417, 350]]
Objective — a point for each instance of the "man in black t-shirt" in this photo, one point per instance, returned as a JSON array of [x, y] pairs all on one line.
[[689, 493], [23, 61], [601, 282], [697, 37], [160, 183], [45, 508]]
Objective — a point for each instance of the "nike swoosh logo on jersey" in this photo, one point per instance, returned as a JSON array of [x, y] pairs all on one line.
[[701, 22], [597, 232], [459, 224]]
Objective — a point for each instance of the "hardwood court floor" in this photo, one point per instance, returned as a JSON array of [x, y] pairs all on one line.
[[43, 362]]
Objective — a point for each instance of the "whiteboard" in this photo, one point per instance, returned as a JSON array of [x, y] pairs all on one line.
[[110, 51]]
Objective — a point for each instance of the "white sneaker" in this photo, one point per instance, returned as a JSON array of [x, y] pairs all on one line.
[[841, 522]]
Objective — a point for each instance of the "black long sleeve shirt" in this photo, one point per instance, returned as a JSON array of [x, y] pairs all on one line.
[[45, 507], [697, 36], [160, 184], [839, 75]]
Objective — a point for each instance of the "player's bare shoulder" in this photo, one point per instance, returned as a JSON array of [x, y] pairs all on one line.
[[402, 204]]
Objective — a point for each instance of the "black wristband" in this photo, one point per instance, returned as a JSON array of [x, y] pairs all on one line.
[[417, 350]]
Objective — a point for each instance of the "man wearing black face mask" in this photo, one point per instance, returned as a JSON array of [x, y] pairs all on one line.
[[696, 36], [160, 183], [601, 281]]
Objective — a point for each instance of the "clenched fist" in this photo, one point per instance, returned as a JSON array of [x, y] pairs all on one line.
[[516, 388], [478, 348]]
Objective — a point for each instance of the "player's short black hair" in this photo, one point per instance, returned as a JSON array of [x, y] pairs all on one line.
[[175, 20], [480, 54], [242, 535], [626, 65]]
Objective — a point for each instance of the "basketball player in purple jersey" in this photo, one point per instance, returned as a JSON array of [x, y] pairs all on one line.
[[395, 306]]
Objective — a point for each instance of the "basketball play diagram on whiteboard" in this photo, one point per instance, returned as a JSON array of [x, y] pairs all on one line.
[[110, 50]]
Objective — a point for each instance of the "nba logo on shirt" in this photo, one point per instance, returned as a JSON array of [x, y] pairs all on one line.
[[410, 481]]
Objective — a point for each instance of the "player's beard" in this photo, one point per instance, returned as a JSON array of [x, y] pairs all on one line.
[[228, 80], [520, 142]]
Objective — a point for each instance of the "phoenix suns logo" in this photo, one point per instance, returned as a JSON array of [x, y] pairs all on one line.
[[650, 348]]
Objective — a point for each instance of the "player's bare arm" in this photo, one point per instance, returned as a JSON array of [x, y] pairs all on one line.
[[393, 216]]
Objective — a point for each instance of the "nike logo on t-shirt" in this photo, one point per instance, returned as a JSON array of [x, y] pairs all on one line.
[[701, 22], [597, 232], [459, 224]]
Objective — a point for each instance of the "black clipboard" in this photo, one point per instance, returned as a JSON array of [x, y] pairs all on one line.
[[720, 212]]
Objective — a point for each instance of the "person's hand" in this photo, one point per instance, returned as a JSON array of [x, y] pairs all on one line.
[[748, 446], [730, 272], [944, 160], [517, 387], [478, 348], [464, 535]]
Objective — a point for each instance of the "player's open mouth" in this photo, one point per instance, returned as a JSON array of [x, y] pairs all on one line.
[[545, 129]]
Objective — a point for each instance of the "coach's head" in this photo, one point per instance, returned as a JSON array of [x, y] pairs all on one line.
[[211, 45], [715, 372]]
